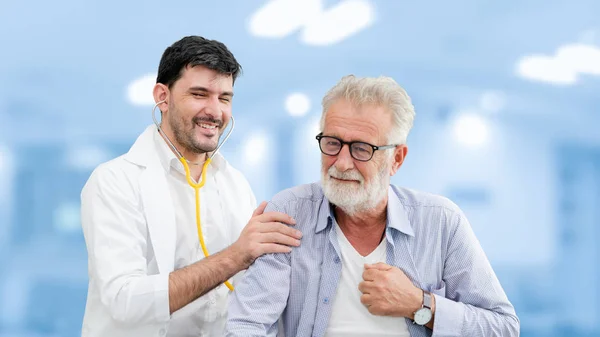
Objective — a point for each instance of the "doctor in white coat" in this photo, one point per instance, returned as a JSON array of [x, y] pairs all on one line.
[[147, 272]]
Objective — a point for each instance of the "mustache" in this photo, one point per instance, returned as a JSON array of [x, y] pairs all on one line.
[[346, 175], [198, 120]]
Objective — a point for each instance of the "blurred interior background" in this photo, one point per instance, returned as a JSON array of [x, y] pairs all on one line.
[[507, 96]]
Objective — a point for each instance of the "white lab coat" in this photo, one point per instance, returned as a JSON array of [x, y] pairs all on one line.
[[129, 227]]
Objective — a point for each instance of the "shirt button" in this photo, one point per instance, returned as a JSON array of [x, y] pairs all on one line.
[[336, 260], [162, 332], [326, 300]]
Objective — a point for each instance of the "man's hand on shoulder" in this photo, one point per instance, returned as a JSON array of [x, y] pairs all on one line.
[[265, 233]]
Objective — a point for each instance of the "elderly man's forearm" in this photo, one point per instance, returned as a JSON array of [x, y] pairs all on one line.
[[460, 319]]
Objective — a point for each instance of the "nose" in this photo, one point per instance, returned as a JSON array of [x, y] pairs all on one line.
[[344, 160], [212, 108]]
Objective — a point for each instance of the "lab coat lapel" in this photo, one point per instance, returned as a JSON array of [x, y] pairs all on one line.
[[160, 216], [156, 200]]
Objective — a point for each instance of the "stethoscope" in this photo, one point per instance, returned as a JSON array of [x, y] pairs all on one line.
[[188, 176]]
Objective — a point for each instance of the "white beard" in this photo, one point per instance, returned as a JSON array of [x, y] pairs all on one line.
[[353, 197]]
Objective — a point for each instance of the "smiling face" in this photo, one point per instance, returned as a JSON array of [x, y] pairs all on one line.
[[353, 185], [198, 108]]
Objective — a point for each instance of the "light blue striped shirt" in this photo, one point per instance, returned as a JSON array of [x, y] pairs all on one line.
[[428, 237]]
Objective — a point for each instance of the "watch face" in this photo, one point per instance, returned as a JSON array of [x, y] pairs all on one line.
[[423, 316]]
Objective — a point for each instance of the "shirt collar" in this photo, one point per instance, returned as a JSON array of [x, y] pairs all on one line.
[[396, 215], [325, 216]]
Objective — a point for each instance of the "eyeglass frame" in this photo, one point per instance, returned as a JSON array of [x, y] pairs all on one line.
[[374, 147]]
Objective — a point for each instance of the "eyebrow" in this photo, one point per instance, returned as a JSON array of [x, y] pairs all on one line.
[[203, 89], [351, 141]]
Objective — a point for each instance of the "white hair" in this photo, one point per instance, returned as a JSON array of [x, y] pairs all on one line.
[[381, 91]]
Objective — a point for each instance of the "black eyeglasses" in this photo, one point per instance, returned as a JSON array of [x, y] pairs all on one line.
[[360, 151]]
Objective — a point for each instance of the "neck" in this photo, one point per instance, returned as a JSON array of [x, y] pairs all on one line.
[[194, 160], [195, 163], [364, 230]]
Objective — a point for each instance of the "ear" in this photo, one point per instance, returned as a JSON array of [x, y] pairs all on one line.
[[400, 153], [161, 94]]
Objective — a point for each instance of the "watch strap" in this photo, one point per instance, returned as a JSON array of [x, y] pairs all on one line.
[[427, 300]]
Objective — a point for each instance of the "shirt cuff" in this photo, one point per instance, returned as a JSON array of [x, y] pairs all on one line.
[[161, 293], [449, 317]]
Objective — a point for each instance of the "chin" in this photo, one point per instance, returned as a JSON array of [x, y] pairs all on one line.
[[343, 195], [353, 198], [205, 144]]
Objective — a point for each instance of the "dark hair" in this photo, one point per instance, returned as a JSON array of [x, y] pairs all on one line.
[[196, 51]]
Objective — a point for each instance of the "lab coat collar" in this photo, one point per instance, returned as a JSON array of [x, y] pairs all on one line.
[[142, 152]]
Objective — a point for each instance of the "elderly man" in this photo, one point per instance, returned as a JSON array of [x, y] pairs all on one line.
[[375, 259]]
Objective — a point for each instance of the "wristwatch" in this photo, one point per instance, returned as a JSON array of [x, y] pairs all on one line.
[[424, 315]]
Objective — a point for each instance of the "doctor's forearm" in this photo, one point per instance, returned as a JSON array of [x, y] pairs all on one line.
[[195, 280]]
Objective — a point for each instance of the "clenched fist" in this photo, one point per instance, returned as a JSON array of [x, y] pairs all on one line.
[[387, 291]]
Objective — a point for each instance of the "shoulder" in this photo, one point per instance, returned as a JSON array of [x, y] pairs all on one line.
[[305, 203], [298, 195], [430, 214], [415, 199], [117, 173]]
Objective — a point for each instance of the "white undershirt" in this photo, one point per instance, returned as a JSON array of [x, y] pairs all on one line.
[[349, 317]]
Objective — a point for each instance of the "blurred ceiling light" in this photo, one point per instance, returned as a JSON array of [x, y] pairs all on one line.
[[581, 58], [545, 69], [86, 157], [279, 18], [139, 92], [471, 130], [256, 149], [297, 104], [338, 23], [562, 68], [320, 26]]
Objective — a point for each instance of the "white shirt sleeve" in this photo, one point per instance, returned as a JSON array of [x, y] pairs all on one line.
[[116, 236]]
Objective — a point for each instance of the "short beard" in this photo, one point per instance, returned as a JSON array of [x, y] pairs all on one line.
[[185, 135], [355, 198]]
